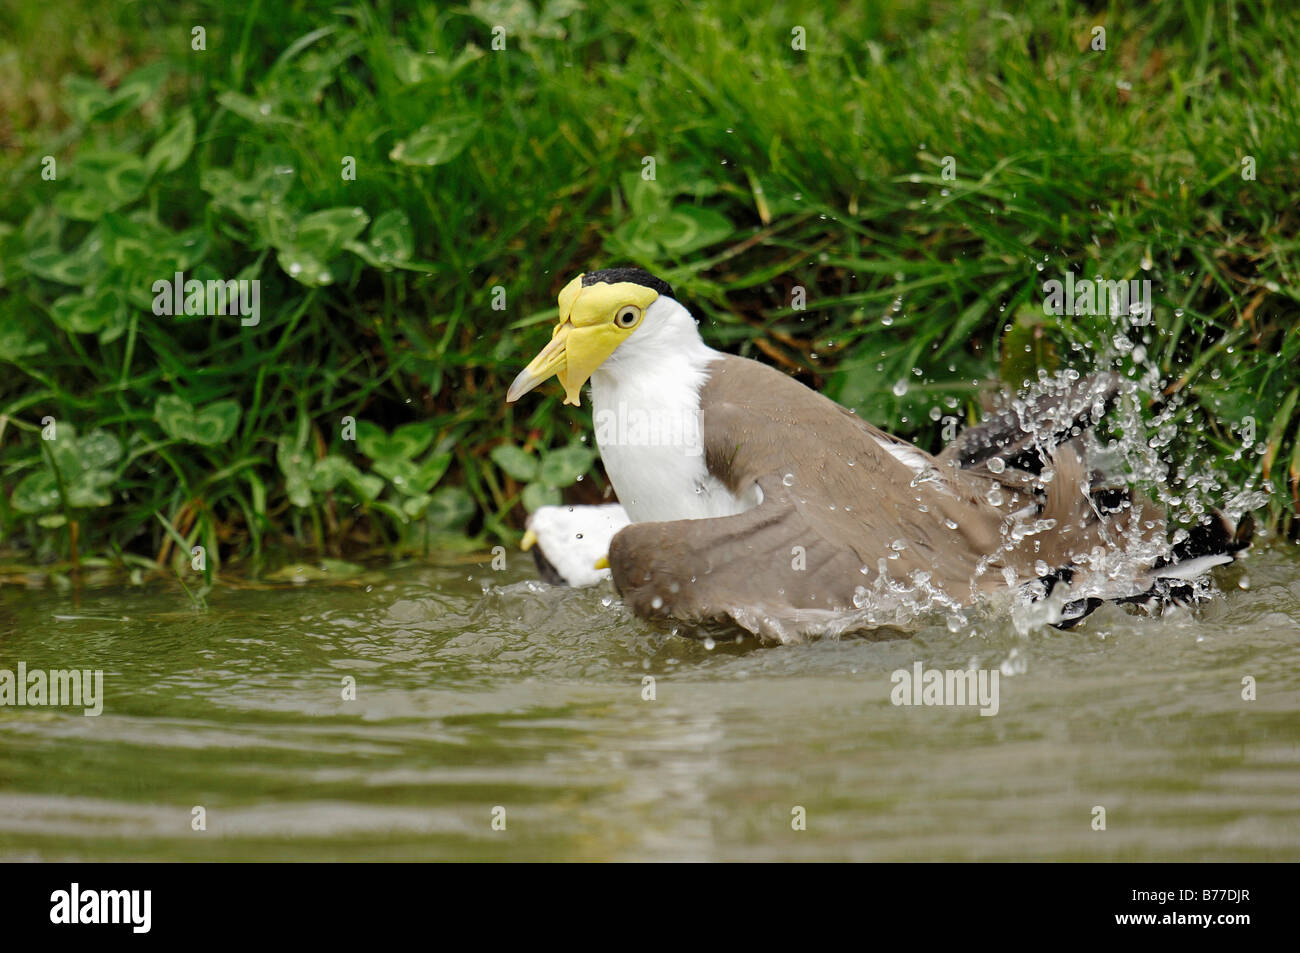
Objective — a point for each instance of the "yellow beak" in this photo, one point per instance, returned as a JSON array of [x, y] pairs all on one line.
[[552, 359], [572, 354], [585, 336]]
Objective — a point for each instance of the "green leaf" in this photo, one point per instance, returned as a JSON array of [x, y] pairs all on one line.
[[37, 493], [405, 443], [401, 473], [515, 462], [88, 101], [410, 478], [84, 99], [316, 239], [90, 313], [79, 267], [329, 472], [412, 68], [432, 470], [260, 112], [17, 342], [101, 182], [85, 464], [138, 243], [450, 508], [250, 198], [437, 142], [367, 485], [563, 467], [172, 148], [90, 489], [41, 229], [212, 425], [415, 506], [296, 467], [142, 84], [537, 495], [98, 450], [323, 233], [390, 240], [691, 228], [304, 267], [645, 197]]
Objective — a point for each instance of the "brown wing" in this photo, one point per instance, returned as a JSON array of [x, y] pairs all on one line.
[[839, 512]]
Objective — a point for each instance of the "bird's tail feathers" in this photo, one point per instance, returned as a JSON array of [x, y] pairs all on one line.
[[1172, 580]]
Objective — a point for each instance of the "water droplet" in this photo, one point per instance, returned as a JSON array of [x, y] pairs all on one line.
[[788, 479], [900, 388], [997, 464]]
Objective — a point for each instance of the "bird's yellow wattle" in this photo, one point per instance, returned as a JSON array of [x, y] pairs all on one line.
[[587, 349], [584, 337]]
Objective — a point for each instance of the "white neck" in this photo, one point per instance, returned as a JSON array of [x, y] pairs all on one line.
[[646, 407]]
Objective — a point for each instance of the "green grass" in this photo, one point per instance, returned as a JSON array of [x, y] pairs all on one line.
[[776, 168]]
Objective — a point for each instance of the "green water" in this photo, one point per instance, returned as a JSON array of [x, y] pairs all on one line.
[[531, 700]]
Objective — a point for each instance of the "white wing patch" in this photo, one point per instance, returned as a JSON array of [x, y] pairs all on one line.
[[908, 456]]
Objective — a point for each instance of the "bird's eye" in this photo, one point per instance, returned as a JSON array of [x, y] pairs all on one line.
[[628, 316]]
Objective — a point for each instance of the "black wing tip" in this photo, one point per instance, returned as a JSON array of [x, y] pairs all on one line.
[[1088, 399], [1215, 536]]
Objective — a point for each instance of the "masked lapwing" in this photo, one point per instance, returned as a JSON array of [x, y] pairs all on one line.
[[754, 498], [570, 543]]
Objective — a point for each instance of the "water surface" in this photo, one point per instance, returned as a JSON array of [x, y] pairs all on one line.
[[477, 690]]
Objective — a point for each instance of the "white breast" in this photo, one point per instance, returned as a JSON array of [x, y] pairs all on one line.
[[646, 411]]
